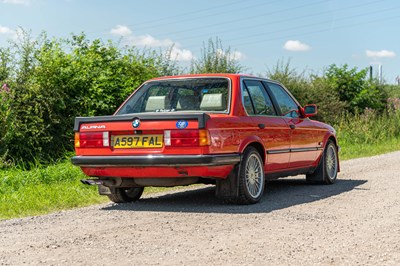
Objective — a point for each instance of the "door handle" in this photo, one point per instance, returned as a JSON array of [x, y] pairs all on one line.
[[292, 126], [261, 126]]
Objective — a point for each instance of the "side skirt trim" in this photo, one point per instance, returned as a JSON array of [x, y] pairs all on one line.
[[294, 150]]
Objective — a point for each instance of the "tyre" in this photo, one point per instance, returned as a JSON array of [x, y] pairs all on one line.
[[121, 195], [326, 172], [251, 177]]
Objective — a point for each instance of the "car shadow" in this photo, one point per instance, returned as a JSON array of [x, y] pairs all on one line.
[[279, 194]]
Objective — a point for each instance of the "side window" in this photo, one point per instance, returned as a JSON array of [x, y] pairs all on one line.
[[247, 101], [259, 98], [287, 105]]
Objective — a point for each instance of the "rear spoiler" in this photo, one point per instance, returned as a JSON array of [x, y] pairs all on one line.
[[201, 118]]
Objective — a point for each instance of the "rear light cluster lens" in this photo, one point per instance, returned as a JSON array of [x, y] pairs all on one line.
[[187, 138], [91, 139]]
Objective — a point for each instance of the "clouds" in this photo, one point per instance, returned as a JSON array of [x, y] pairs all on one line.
[[181, 54], [16, 2], [142, 40], [296, 46], [121, 30], [380, 54], [9, 33], [146, 40], [236, 55], [150, 41], [174, 49], [5, 30]]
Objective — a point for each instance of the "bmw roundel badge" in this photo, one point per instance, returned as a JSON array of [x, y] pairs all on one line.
[[182, 124], [136, 123]]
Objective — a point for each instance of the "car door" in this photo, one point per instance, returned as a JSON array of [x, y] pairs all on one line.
[[272, 129], [303, 138]]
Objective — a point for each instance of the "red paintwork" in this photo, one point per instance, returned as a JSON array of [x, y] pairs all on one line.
[[229, 133]]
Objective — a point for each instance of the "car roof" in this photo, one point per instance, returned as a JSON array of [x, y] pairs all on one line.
[[200, 75], [226, 75], [231, 76]]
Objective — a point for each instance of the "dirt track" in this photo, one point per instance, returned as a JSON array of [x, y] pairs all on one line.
[[354, 222]]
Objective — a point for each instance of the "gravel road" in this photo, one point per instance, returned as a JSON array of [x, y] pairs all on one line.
[[353, 222]]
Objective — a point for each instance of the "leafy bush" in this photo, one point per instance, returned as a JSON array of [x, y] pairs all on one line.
[[355, 89], [338, 91], [56, 80], [5, 122], [392, 91], [312, 90], [6, 96]]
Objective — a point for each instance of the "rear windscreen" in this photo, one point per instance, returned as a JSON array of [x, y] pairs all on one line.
[[175, 95]]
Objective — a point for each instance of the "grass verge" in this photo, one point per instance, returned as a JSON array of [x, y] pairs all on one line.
[[47, 189], [352, 151], [43, 190], [368, 134]]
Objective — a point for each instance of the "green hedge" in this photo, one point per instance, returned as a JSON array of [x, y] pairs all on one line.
[[53, 81]]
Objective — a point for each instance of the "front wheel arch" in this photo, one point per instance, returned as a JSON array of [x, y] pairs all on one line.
[[328, 166]]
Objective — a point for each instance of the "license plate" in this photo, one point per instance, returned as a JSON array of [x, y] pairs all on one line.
[[137, 141]]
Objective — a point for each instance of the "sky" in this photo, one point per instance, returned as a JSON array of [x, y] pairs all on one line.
[[311, 34]]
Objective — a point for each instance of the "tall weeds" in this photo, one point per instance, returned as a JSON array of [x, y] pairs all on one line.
[[369, 133]]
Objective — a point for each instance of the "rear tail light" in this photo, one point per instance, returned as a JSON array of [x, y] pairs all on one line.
[[91, 139], [187, 138]]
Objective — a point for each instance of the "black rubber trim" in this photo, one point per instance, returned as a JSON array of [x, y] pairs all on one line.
[[278, 151], [293, 150], [304, 149], [201, 118], [157, 160]]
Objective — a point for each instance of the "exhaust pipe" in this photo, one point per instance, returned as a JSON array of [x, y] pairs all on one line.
[[92, 182], [112, 182]]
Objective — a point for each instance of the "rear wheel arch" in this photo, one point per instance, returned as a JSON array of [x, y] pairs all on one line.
[[257, 144], [259, 148], [250, 177]]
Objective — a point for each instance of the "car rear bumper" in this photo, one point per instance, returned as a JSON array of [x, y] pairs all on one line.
[[156, 160]]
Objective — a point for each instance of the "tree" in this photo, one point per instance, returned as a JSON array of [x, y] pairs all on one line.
[[354, 88], [215, 59]]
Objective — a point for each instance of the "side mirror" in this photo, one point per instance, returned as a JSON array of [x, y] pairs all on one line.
[[309, 110]]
